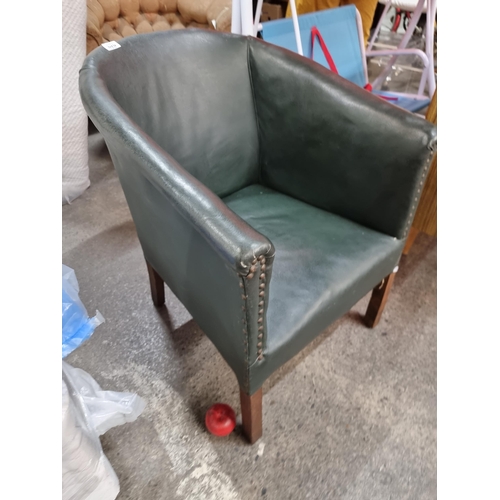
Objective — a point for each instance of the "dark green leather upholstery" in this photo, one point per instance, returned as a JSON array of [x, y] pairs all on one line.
[[185, 109], [268, 193], [359, 158], [323, 265]]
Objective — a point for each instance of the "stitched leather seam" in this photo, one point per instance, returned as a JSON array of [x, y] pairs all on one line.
[[418, 194], [249, 64], [253, 364]]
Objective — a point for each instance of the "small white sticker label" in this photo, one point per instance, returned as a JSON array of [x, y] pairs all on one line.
[[111, 45]]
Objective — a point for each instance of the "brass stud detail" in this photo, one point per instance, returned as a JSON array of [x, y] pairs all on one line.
[[262, 286], [250, 276], [252, 269], [244, 297]]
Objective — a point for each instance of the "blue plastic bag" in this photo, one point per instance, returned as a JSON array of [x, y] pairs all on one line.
[[77, 327]]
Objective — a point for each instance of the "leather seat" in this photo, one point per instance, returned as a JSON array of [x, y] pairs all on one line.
[[268, 193], [323, 265]]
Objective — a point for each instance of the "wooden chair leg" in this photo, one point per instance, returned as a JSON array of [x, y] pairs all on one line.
[[157, 286], [378, 300], [409, 241], [251, 411]]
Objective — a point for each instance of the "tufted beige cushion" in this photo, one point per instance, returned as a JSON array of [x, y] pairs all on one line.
[[194, 10], [115, 19]]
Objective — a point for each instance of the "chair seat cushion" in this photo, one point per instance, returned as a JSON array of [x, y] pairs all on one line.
[[323, 265]]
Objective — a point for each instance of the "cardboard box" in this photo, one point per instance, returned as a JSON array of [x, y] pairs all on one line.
[[270, 12]]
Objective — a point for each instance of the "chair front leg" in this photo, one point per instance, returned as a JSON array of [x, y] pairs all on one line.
[[378, 300], [251, 412]]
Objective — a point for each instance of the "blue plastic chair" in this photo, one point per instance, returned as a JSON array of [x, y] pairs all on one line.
[[341, 30]]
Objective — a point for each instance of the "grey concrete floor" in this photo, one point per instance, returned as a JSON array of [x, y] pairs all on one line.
[[353, 417]]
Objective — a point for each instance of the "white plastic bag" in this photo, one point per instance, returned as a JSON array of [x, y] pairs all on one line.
[[88, 412]]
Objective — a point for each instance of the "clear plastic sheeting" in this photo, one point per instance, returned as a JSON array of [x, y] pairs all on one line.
[[105, 409], [88, 412], [77, 327], [406, 72]]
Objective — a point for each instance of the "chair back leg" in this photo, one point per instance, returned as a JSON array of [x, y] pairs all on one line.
[[378, 300], [157, 286]]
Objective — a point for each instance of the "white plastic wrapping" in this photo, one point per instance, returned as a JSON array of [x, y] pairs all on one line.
[[88, 412]]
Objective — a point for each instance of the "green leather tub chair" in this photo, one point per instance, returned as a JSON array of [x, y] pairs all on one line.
[[269, 194]]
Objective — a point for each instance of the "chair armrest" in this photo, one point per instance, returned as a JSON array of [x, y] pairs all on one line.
[[327, 142], [209, 257], [231, 237]]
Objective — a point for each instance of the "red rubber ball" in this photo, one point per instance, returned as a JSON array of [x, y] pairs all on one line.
[[220, 419]]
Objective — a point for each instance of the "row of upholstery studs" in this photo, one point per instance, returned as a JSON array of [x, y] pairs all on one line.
[[418, 194], [262, 293]]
